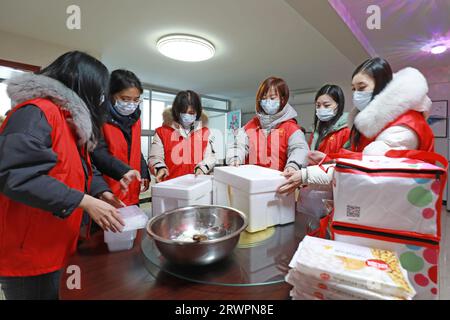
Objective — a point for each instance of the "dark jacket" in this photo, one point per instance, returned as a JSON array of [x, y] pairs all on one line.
[[26, 140], [104, 160], [42, 175]]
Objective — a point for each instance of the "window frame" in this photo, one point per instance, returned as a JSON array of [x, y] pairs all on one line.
[[150, 133]]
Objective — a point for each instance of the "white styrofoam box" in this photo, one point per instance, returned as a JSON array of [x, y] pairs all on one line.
[[420, 261], [388, 194], [181, 192], [252, 190], [134, 219]]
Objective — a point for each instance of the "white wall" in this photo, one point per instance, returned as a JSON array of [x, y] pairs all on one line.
[[441, 91], [26, 50]]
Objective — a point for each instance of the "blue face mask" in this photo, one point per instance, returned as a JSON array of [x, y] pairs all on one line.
[[270, 106], [126, 108], [326, 114], [361, 99], [186, 119]]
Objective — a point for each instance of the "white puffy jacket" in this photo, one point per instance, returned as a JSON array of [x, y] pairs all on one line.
[[407, 91]]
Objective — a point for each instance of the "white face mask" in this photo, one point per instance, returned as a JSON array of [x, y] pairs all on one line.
[[186, 119], [126, 108], [361, 99], [270, 106], [326, 114]]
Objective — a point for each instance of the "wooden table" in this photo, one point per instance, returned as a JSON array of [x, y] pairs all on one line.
[[123, 275]]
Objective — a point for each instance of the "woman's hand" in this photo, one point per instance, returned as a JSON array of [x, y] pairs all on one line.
[[105, 215], [294, 180], [234, 163], [161, 174], [288, 170], [110, 198], [314, 157], [128, 178], [145, 184]]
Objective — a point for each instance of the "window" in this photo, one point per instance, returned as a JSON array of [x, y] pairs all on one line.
[[145, 122], [212, 103], [160, 102], [9, 69], [154, 103], [217, 124], [5, 102]]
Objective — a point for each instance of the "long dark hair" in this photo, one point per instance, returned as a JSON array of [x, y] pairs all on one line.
[[183, 100], [381, 72], [336, 93], [122, 80], [88, 78]]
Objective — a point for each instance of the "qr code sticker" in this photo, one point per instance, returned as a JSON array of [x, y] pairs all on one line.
[[353, 211]]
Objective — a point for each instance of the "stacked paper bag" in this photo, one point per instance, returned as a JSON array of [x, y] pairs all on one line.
[[331, 270]]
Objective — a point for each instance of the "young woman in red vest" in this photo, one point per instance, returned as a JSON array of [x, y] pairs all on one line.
[[331, 132], [45, 173], [272, 139], [183, 144], [389, 114], [118, 154]]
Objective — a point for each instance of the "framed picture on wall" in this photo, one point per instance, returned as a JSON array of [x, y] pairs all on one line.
[[438, 118], [234, 120]]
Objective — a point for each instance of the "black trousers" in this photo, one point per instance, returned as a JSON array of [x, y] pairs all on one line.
[[42, 287]]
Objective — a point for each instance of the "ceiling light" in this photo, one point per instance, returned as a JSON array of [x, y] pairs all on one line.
[[437, 47], [185, 48]]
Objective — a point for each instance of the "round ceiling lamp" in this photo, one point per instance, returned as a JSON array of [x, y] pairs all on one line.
[[437, 47], [185, 48]]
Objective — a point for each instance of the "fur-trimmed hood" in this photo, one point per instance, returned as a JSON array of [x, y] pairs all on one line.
[[407, 91], [29, 86], [168, 119]]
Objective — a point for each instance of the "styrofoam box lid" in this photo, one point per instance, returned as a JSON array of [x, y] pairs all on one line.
[[250, 178], [133, 217], [185, 187]]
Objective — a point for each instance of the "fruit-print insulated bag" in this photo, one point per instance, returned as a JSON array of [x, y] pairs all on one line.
[[394, 202]]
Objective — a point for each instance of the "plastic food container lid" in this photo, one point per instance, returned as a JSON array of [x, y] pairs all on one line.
[[133, 217]]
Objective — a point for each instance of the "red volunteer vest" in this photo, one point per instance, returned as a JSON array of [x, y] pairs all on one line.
[[34, 241], [333, 142], [118, 147], [180, 154], [270, 151], [411, 119]]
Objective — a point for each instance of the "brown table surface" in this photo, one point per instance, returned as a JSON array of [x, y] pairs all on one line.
[[123, 275]]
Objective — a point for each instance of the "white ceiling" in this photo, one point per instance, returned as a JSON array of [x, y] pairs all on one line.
[[254, 39], [406, 26]]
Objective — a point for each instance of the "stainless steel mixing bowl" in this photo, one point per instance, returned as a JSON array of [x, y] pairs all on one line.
[[222, 225]]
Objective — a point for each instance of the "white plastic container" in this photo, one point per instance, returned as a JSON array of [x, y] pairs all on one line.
[[181, 192], [252, 190], [134, 219], [120, 241]]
